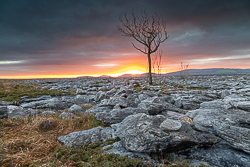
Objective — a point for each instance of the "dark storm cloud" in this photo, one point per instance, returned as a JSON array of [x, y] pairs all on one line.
[[60, 32]]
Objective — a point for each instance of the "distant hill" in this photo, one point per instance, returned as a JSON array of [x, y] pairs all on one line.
[[213, 71], [210, 71]]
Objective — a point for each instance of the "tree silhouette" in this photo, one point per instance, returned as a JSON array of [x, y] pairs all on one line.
[[150, 31]]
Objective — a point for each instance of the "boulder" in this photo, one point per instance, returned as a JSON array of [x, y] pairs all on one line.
[[5, 103], [99, 96], [75, 108], [151, 106], [225, 93], [243, 105], [81, 92], [133, 100], [117, 115], [18, 112], [26, 99], [169, 99], [143, 97], [232, 125], [215, 104], [53, 103], [48, 112], [146, 133], [121, 91], [121, 101], [3, 112], [97, 109], [220, 154], [141, 132], [170, 125], [80, 138], [65, 115], [81, 99], [118, 148]]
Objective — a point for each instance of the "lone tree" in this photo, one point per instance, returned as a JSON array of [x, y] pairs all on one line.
[[150, 31]]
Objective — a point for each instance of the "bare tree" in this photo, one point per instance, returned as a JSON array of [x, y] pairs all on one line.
[[157, 62], [183, 70], [150, 31]]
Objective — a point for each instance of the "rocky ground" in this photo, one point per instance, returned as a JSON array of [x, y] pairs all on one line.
[[202, 118]]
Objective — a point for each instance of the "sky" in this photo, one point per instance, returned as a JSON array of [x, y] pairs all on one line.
[[70, 38]]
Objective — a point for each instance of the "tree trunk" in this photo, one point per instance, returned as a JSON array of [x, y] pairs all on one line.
[[149, 69]]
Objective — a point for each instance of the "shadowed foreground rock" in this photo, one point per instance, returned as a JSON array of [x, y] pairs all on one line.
[[144, 133]]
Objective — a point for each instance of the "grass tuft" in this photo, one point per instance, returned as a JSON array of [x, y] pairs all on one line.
[[86, 106]]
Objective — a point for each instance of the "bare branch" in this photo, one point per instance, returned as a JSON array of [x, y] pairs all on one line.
[[139, 49]]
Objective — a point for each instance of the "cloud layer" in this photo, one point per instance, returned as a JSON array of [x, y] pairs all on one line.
[[81, 37]]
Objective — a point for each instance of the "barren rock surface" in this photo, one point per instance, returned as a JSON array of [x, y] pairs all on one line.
[[189, 117]]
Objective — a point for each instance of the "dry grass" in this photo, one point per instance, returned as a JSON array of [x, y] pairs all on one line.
[[86, 106], [25, 142], [2, 86], [187, 119], [14, 91]]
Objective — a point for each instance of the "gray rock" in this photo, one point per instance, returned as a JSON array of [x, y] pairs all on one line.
[[78, 139], [225, 93], [111, 92], [82, 99], [80, 92], [170, 125], [19, 112], [169, 99], [121, 91], [133, 100], [99, 96], [75, 108], [142, 133], [171, 107], [53, 103], [5, 103], [65, 115], [216, 104], [221, 155], [117, 148], [117, 115], [48, 112], [190, 106], [243, 105], [154, 99], [121, 101], [26, 99], [172, 114], [97, 109], [201, 98], [150, 93], [178, 103], [16, 112], [231, 125], [143, 97], [151, 108], [3, 112]]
